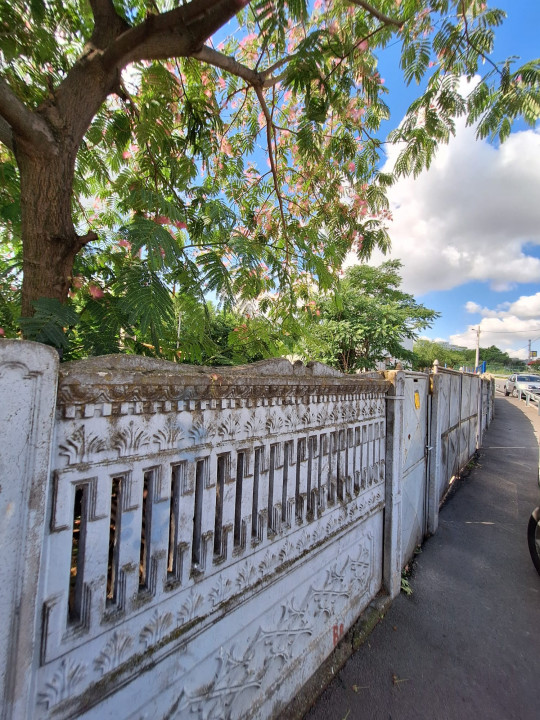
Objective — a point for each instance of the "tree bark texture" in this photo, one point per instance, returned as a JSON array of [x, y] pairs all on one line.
[[50, 242]]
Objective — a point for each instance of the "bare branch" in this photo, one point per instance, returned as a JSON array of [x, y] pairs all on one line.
[[277, 65], [263, 78], [176, 33], [102, 10], [83, 240], [485, 57], [6, 134], [107, 23], [269, 125], [23, 122], [225, 62], [368, 7]]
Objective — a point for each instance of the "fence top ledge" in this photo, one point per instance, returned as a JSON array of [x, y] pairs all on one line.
[[19, 349], [81, 380]]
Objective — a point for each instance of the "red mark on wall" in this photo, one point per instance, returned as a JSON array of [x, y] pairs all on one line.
[[337, 633]]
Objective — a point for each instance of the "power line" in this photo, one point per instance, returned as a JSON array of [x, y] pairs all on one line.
[[527, 347]]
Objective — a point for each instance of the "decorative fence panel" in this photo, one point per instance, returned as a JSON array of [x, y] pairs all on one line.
[[193, 542], [209, 534]]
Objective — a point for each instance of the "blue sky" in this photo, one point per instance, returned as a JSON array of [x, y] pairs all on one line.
[[468, 230]]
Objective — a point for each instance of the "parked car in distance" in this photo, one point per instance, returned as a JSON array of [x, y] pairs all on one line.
[[519, 384]]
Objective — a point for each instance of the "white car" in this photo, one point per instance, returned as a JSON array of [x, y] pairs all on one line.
[[519, 384]]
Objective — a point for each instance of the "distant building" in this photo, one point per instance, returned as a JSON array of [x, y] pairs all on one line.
[[449, 346]]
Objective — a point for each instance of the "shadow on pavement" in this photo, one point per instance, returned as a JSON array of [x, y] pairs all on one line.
[[466, 643]]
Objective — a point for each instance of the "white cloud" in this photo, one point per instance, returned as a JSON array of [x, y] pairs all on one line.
[[526, 306], [504, 310], [509, 326], [506, 329], [474, 216], [472, 307], [470, 216]]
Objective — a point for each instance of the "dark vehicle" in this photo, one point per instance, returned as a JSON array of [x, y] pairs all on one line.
[[533, 537]]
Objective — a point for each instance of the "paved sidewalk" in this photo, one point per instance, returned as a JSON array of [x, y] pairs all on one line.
[[466, 644]]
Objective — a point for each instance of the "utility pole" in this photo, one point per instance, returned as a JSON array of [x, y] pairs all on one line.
[[477, 359], [529, 355]]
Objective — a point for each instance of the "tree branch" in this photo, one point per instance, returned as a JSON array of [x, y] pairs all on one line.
[[273, 168], [225, 62], [176, 33], [277, 65], [368, 7], [485, 57], [108, 24], [262, 78], [83, 240], [6, 134], [23, 122]]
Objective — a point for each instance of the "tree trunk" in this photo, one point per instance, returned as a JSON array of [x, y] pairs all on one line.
[[45, 141], [50, 242]]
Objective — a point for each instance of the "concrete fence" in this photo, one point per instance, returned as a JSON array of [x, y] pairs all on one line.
[[193, 542]]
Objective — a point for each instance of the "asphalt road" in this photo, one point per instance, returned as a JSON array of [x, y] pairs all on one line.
[[466, 644]]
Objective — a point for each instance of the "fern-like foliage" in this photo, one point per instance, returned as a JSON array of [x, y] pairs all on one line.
[[49, 323]]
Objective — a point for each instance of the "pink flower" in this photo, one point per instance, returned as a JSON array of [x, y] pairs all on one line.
[[125, 243], [126, 154], [351, 166], [2, 333], [248, 39], [95, 291], [180, 225]]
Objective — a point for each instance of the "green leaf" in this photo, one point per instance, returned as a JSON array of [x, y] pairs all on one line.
[[48, 322]]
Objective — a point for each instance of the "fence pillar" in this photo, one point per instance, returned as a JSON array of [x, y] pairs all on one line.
[[393, 489], [434, 465], [28, 380]]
